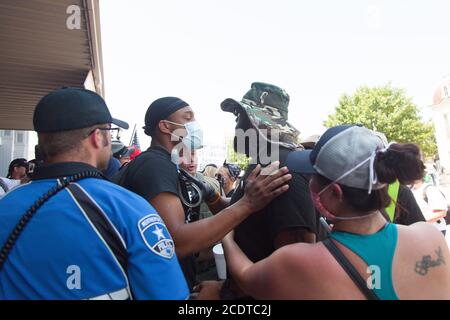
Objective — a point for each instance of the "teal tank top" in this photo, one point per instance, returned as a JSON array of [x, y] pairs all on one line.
[[376, 250]]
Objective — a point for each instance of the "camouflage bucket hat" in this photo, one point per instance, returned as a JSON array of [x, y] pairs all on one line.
[[267, 108]]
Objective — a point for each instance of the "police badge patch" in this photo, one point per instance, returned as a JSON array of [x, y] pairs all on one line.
[[155, 235]]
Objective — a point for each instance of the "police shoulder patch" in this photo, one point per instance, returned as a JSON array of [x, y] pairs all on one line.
[[155, 235]]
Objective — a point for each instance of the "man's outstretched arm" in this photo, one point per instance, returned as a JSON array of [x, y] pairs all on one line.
[[196, 236]]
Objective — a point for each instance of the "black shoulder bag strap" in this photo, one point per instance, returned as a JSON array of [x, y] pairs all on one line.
[[101, 223], [350, 269]]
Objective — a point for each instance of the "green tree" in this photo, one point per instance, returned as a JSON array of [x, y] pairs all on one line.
[[234, 157], [388, 110]]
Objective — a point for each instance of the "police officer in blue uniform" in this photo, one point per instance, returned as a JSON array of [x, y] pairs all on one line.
[[70, 233]]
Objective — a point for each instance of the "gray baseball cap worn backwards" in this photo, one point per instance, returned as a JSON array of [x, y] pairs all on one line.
[[267, 108], [72, 108], [343, 154]]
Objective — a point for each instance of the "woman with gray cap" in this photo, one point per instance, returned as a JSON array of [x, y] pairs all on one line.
[[365, 257]]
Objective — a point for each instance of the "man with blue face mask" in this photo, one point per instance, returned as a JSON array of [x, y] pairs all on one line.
[[155, 175]]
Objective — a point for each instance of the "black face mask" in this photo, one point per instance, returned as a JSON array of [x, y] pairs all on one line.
[[243, 122]]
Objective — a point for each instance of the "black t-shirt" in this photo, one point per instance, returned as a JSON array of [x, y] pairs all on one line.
[[149, 174], [407, 211], [152, 173], [256, 235]]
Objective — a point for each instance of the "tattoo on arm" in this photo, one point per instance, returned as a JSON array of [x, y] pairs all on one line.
[[426, 263]]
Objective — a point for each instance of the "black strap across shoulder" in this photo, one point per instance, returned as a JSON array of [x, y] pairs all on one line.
[[101, 223], [94, 214], [350, 269]]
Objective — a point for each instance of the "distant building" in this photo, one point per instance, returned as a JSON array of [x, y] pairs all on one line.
[[13, 144], [441, 119], [212, 152]]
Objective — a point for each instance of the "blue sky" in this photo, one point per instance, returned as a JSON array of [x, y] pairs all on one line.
[[206, 50]]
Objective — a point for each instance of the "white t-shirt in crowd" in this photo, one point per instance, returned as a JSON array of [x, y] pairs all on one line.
[[436, 205], [9, 183]]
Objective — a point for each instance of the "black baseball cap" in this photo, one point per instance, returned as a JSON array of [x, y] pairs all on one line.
[[72, 108], [19, 162], [119, 150]]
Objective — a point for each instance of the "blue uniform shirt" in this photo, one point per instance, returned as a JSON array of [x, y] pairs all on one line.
[[60, 255]]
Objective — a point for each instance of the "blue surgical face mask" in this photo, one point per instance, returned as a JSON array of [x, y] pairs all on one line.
[[194, 137]]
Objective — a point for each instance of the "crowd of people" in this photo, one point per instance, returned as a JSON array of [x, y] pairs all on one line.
[[341, 215]]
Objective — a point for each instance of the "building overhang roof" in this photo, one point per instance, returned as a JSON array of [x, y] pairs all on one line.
[[39, 53]]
